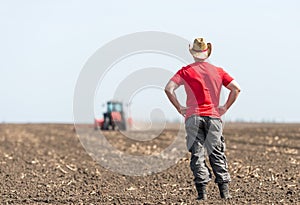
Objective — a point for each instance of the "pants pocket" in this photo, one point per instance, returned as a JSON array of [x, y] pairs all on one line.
[[192, 126]]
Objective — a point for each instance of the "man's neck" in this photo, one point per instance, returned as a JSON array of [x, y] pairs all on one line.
[[199, 60]]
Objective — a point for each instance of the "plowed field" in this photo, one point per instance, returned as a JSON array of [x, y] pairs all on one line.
[[46, 164]]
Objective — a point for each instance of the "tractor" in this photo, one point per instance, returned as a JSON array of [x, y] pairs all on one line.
[[113, 118]]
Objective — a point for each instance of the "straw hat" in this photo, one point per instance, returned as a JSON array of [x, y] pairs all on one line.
[[200, 49]]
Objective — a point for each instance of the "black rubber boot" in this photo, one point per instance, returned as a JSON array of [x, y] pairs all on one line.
[[224, 191], [201, 189]]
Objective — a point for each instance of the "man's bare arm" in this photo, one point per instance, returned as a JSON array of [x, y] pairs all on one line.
[[234, 92], [170, 91]]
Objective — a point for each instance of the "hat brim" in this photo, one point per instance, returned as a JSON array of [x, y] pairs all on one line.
[[202, 55]]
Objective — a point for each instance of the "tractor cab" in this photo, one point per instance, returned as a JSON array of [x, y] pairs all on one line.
[[114, 107]]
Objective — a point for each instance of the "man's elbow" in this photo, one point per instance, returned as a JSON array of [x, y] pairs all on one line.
[[237, 91], [236, 87], [170, 87], [167, 90]]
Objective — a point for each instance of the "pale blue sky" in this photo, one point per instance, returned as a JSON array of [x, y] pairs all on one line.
[[45, 44]]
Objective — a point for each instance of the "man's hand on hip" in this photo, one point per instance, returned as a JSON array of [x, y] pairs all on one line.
[[182, 110], [222, 110]]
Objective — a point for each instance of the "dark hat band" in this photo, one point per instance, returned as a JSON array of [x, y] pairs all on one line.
[[199, 50]]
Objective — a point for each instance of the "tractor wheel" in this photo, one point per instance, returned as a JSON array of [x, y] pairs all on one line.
[[105, 125], [122, 126], [119, 126]]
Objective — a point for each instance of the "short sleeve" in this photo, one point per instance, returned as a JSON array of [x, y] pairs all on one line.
[[226, 78], [178, 78]]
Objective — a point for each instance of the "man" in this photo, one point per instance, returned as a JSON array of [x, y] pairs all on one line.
[[203, 82]]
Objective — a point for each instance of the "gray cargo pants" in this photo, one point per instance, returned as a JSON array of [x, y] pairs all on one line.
[[205, 134]]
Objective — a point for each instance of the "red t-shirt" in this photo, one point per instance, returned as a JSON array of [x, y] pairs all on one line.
[[202, 82]]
